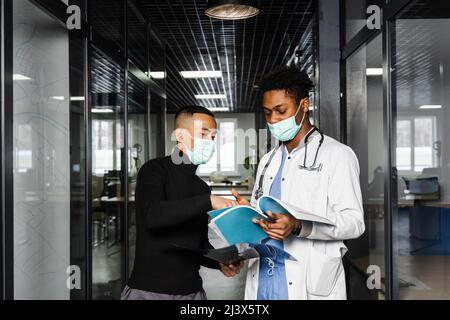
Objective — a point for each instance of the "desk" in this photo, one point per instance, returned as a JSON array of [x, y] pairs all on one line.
[[227, 186], [443, 204], [113, 207], [115, 200], [227, 194]]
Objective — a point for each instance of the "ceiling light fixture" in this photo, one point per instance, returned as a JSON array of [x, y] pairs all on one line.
[[102, 110], [157, 75], [201, 74], [20, 77], [231, 9], [62, 98], [428, 107], [219, 109], [210, 96], [374, 71], [76, 98], [59, 98]]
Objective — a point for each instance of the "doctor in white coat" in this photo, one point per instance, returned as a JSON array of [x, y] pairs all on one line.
[[313, 172]]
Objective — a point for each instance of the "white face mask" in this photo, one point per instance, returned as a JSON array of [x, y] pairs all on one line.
[[286, 130], [202, 151]]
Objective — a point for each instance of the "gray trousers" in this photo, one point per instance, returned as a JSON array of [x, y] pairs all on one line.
[[135, 294]]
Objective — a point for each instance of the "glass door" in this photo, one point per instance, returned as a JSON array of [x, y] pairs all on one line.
[[41, 168], [158, 76], [365, 135], [108, 175], [138, 152], [420, 58]]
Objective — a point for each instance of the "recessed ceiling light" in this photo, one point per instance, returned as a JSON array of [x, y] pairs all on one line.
[[210, 96], [102, 110], [76, 98], [201, 74], [427, 107], [20, 77], [59, 98], [374, 71], [157, 74], [218, 109], [231, 9]]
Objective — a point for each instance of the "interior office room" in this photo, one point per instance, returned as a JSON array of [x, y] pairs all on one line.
[[90, 89]]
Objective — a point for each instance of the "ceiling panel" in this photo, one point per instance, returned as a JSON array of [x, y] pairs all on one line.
[[243, 50], [420, 50]]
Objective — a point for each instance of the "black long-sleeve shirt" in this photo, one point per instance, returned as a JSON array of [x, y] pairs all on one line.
[[171, 209]]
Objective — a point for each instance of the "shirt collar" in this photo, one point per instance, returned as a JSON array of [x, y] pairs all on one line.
[[301, 145], [183, 160]]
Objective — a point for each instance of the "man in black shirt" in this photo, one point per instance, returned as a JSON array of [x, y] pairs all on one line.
[[171, 210]]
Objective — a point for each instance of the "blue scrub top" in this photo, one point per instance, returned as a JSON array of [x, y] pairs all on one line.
[[272, 271]]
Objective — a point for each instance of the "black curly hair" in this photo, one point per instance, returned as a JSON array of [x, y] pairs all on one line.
[[296, 82]]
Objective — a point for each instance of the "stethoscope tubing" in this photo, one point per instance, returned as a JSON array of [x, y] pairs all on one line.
[[259, 191]]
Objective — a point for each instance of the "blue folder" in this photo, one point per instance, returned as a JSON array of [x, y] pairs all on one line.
[[237, 226]]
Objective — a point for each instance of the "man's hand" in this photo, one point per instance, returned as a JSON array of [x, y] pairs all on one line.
[[221, 203], [231, 269], [239, 199], [282, 227]]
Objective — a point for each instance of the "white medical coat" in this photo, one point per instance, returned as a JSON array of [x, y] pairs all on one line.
[[334, 193]]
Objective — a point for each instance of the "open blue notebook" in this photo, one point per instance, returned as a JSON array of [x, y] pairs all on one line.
[[235, 225]]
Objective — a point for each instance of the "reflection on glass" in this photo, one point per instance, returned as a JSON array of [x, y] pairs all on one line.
[[106, 17], [41, 154], [404, 145], [356, 15], [157, 126], [24, 154], [107, 175], [421, 88], [137, 31], [137, 151], [157, 63], [227, 146], [365, 136], [224, 159]]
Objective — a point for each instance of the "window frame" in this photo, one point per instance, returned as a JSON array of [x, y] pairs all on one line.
[[234, 173], [411, 119]]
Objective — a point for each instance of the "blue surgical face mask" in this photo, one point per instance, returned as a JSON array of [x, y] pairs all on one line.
[[286, 130], [202, 151]]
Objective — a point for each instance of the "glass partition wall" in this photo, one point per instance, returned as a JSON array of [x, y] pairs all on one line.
[[397, 106], [108, 174], [41, 154], [420, 58], [123, 97], [76, 125], [138, 152], [365, 137], [46, 103]]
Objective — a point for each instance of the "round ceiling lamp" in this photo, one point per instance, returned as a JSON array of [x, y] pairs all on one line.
[[231, 9]]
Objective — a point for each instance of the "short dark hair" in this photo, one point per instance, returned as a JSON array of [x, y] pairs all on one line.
[[191, 110], [295, 82]]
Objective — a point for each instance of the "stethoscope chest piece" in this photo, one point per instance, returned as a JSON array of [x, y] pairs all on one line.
[[317, 169]]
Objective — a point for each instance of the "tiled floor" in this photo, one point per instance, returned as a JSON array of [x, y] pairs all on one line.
[[216, 285], [106, 275], [106, 272]]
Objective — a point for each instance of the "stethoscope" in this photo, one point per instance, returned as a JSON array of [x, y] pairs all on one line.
[[259, 192]]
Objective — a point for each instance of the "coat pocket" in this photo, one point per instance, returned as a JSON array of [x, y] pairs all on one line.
[[323, 272]]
